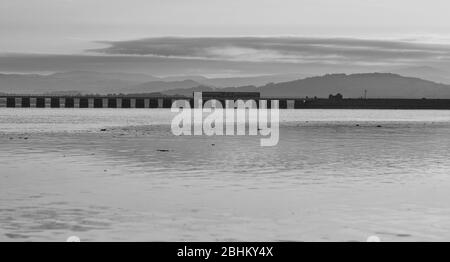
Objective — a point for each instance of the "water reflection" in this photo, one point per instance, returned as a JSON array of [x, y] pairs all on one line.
[[341, 180]]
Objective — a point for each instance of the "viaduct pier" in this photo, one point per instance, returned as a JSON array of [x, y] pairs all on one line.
[[42, 101], [128, 101]]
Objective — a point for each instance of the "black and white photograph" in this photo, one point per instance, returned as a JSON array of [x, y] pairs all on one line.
[[224, 121]]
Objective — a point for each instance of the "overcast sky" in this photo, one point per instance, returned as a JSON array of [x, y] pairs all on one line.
[[64, 26], [75, 26]]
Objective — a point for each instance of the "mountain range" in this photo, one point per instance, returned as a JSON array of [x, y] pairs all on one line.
[[425, 72], [104, 83], [374, 85], [370, 85]]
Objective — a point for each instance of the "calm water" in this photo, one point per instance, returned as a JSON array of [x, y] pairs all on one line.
[[340, 175]]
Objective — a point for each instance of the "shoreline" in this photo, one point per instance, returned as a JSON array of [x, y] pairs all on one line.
[[119, 130]]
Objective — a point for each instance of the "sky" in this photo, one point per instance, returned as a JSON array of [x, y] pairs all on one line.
[[349, 33]]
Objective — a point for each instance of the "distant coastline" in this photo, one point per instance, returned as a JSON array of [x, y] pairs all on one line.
[[368, 85]]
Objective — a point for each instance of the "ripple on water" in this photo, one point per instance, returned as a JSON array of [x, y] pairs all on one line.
[[46, 221], [184, 184]]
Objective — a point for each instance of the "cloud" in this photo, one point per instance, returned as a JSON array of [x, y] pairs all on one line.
[[242, 56], [347, 51]]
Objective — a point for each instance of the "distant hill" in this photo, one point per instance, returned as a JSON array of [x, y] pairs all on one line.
[[378, 85], [240, 81], [103, 83], [424, 72], [159, 86], [88, 83], [116, 82], [190, 91], [76, 81], [196, 78], [100, 76]]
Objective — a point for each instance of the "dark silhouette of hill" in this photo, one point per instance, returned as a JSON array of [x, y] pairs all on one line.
[[424, 72], [378, 85]]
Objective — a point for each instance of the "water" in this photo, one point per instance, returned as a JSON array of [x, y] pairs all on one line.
[[340, 175]]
